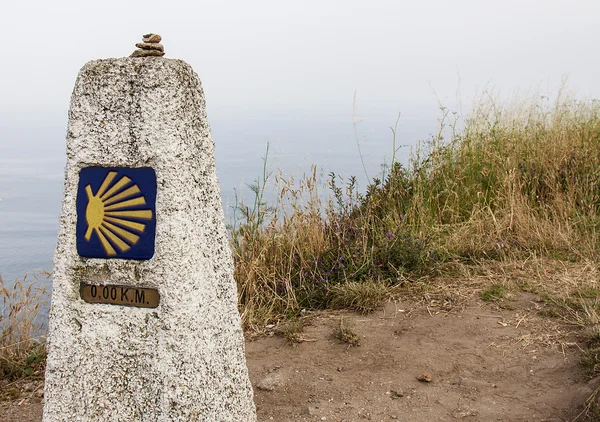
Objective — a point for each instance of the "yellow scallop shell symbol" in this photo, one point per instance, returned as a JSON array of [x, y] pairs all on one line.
[[108, 214]]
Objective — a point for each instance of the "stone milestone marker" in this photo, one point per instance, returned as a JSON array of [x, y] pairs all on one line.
[[144, 323]]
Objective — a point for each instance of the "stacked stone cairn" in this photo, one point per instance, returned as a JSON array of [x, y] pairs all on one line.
[[150, 46]]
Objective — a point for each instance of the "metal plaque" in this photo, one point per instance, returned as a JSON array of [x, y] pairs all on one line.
[[111, 294]]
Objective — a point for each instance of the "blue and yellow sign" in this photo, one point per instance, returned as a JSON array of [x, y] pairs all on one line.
[[116, 215]]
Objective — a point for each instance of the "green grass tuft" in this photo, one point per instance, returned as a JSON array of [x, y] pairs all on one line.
[[493, 293]]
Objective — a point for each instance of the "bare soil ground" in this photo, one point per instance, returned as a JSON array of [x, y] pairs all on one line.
[[482, 367], [484, 362]]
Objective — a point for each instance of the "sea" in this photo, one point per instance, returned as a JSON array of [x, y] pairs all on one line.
[[32, 159]]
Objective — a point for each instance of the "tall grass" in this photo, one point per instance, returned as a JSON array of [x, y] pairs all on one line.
[[22, 326], [510, 180], [523, 177]]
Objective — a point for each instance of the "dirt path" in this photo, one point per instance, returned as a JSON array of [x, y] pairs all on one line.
[[485, 364]]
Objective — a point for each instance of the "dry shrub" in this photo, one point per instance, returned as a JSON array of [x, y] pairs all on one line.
[[293, 329], [346, 334]]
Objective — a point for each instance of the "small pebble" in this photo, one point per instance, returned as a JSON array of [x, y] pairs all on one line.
[[152, 38], [425, 378], [463, 412], [147, 53], [150, 46]]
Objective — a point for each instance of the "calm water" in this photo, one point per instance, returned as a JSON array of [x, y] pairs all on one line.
[[32, 161]]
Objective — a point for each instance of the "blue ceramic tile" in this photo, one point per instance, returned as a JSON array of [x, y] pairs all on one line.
[[116, 215]]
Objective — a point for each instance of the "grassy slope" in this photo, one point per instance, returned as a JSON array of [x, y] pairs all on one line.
[[516, 181]]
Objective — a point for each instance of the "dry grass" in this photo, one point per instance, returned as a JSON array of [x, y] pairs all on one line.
[[22, 327], [518, 178], [361, 297], [591, 410], [512, 183]]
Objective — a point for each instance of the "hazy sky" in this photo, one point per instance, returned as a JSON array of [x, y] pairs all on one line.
[[270, 59]]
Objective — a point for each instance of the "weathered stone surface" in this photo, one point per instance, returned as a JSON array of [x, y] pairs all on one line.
[[183, 361], [150, 46], [147, 53], [152, 38]]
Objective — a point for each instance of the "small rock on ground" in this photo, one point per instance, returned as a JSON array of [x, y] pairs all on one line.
[[425, 378]]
